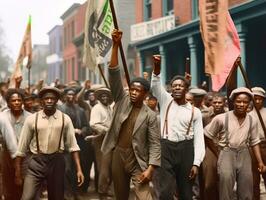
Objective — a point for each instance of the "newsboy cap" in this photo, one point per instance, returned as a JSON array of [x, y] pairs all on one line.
[[259, 91]]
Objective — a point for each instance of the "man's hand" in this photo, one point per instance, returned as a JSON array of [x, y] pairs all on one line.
[[261, 168], [146, 176], [80, 177], [116, 36], [156, 64], [193, 172], [18, 81], [87, 84]]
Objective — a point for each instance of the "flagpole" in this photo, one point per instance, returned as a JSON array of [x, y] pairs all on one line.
[[102, 74], [245, 76], [187, 65], [29, 79], [120, 45]]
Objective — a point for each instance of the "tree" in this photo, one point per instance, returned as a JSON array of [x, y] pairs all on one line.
[[5, 60]]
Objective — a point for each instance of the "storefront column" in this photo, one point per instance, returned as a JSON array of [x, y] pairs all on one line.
[[193, 60], [242, 37], [163, 63]]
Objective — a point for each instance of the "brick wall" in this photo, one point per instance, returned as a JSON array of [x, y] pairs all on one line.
[[80, 19], [183, 10], [139, 11], [157, 10]]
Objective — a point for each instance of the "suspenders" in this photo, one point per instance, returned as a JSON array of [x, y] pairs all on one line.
[[37, 134], [227, 132], [165, 127]]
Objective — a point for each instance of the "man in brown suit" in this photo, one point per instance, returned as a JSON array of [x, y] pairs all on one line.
[[134, 137]]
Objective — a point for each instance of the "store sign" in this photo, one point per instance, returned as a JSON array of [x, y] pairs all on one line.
[[149, 29]]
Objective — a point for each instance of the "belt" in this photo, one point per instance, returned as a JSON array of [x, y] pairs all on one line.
[[233, 149]]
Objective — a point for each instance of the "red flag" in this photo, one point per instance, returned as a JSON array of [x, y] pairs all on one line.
[[232, 51]]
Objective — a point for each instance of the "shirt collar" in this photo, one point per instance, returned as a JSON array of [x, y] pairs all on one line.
[[55, 115]]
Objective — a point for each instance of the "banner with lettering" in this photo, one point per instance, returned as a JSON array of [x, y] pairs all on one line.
[[232, 52], [213, 31], [98, 28]]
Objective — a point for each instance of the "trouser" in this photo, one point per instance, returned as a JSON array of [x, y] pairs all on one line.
[[10, 189], [256, 174], [234, 165], [176, 163], [124, 168], [45, 167], [103, 166], [209, 177]]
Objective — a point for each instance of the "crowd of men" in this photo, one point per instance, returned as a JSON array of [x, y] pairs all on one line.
[[176, 143]]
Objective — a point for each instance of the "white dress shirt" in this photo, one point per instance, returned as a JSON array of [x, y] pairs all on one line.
[[178, 120]]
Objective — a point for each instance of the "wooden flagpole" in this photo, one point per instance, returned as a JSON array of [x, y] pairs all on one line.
[[102, 74], [244, 74], [120, 46], [187, 65]]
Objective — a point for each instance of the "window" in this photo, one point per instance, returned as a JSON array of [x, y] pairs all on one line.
[[73, 68], [168, 7], [65, 36], [147, 10], [72, 30], [195, 5]]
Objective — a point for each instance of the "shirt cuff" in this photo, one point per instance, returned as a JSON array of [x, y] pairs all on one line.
[[197, 162], [74, 149], [19, 154]]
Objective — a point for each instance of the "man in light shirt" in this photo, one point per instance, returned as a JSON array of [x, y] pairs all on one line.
[[47, 134], [101, 118], [236, 130], [259, 98], [182, 137]]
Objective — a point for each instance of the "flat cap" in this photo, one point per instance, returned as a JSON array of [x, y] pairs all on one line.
[[197, 92], [240, 90], [259, 91], [46, 89]]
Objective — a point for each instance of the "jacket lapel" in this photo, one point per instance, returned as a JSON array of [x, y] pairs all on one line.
[[140, 119]]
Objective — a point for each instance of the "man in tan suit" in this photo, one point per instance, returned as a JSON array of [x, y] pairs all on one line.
[[134, 137]]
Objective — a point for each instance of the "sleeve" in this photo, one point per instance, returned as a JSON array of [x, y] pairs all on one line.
[[9, 136], [154, 141], [157, 89], [254, 133], [84, 123], [116, 85], [25, 136], [96, 120], [199, 145], [70, 139], [214, 128]]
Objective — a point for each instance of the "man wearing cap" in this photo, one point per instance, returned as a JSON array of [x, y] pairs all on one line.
[[259, 98], [47, 134], [16, 116], [182, 137], [236, 130], [134, 136], [101, 117], [79, 121]]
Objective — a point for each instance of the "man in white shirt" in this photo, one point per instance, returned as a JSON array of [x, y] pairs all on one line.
[[182, 140], [101, 117]]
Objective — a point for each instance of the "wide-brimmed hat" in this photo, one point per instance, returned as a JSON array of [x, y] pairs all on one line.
[[46, 89], [259, 91], [239, 91], [102, 91]]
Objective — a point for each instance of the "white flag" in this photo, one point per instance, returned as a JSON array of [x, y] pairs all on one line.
[[98, 28]]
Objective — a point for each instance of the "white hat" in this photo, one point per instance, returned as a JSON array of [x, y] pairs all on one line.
[[240, 90], [259, 91]]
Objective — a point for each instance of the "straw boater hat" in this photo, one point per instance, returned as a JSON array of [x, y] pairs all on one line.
[[46, 89], [103, 90], [258, 91], [239, 91]]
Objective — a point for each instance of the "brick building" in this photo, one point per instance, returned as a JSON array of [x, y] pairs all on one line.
[[171, 28]]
